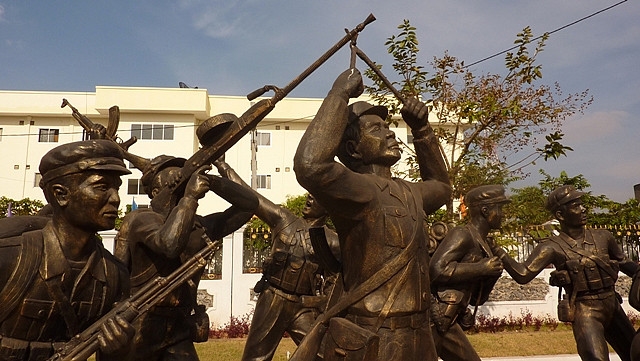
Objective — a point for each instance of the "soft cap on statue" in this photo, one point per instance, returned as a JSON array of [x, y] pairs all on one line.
[[485, 195], [77, 157], [155, 166], [358, 109], [562, 195], [211, 129]]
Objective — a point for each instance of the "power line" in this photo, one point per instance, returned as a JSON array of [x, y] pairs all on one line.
[[548, 33], [127, 130]]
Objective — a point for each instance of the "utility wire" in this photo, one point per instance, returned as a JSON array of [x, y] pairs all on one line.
[[548, 33], [466, 66]]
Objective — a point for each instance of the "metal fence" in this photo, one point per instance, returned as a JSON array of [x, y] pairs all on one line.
[[521, 243], [524, 241]]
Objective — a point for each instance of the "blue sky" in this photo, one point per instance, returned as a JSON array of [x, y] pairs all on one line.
[[233, 47]]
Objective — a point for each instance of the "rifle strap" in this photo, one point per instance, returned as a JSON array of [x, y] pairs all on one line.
[[392, 296], [23, 274], [54, 287], [402, 260], [372, 283]]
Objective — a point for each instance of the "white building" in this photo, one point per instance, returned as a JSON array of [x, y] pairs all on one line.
[[165, 122]]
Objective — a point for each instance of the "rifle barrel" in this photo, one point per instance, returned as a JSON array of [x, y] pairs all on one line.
[[350, 35], [379, 73], [83, 345], [168, 197]]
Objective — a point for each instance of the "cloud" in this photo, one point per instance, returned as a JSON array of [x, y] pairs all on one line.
[[217, 19], [593, 126], [2, 12], [216, 22]]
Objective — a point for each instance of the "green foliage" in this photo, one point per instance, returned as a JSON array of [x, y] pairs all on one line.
[[438, 216], [23, 207], [295, 204], [485, 119], [548, 183], [404, 50], [554, 149], [257, 234], [527, 206]]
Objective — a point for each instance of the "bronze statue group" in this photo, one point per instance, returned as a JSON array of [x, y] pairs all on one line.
[[368, 290]]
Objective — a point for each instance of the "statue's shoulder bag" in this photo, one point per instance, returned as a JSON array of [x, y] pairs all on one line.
[[446, 306], [200, 324], [347, 341]]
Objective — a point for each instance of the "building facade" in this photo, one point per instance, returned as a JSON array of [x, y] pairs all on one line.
[[164, 120]]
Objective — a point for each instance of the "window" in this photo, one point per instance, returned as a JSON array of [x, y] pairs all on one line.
[[263, 139], [263, 181], [152, 131], [134, 186], [37, 179], [48, 135]]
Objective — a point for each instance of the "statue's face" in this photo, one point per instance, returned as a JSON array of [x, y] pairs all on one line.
[[495, 215], [93, 204], [377, 143], [574, 214], [313, 209]]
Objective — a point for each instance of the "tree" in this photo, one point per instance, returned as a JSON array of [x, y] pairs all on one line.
[[23, 207], [527, 207], [483, 120]]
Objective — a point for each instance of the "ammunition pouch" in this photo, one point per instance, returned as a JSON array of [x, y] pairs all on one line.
[[12, 349], [586, 276], [261, 285], [291, 273], [592, 275], [559, 278], [346, 341], [199, 324], [446, 307], [575, 268], [566, 310]]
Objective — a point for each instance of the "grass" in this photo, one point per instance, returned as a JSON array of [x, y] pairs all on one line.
[[524, 343], [231, 349], [498, 344]]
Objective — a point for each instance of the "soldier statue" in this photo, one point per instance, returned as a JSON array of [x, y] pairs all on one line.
[[463, 272], [292, 274], [153, 245], [379, 219], [587, 262], [58, 280]]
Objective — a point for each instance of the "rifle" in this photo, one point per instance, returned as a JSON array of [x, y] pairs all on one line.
[[84, 344], [110, 132], [168, 197]]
